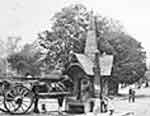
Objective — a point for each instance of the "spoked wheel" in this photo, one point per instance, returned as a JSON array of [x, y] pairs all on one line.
[[18, 100]]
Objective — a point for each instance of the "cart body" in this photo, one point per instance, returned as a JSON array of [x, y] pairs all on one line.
[[20, 93]]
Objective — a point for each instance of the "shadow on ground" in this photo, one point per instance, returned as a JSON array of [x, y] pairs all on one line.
[[125, 96]]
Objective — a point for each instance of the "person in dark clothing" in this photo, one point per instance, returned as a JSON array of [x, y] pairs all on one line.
[[130, 94], [133, 95], [44, 108]]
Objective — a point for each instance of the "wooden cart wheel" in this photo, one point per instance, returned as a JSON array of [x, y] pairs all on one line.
[[18, 100]]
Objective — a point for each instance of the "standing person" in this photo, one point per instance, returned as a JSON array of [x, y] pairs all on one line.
[[146, 84], [44, 108], [133, 95], [130, 94]]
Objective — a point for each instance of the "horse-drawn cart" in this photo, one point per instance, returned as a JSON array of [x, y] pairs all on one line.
[[20, 93]]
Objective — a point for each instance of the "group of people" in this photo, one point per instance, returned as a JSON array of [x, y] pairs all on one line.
[[131, 95]]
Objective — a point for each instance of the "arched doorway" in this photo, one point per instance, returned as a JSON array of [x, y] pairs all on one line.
[[81, 81]]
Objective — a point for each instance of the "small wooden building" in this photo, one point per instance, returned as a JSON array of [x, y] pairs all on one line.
[[81, 72]]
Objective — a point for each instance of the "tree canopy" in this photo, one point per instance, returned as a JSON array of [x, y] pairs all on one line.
[[25, 61], [129, 63]]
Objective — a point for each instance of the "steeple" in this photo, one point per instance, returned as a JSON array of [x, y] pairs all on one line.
[[91, 41], [92, 21]]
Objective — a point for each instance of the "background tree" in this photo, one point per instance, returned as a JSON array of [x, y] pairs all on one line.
[[129, 60], [25, 61], [68, 33]]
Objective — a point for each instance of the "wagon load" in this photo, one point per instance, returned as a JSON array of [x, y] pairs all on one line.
[[20, 93]]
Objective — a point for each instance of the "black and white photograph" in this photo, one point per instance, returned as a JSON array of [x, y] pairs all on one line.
[[74, 58]]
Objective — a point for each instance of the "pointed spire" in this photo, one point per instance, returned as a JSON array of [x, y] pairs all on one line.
[[91, 40], [92, 21]]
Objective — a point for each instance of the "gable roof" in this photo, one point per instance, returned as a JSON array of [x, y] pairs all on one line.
[[86, 63]]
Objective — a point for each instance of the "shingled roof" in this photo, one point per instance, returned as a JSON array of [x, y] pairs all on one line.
[[86, 63]]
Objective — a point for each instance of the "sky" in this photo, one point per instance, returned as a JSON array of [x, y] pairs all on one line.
[[26, 18]]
